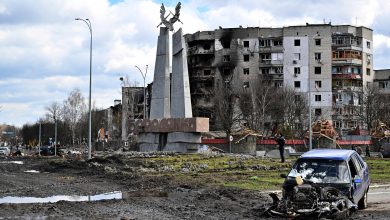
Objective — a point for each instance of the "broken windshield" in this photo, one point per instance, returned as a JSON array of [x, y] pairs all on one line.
[[321, 171]]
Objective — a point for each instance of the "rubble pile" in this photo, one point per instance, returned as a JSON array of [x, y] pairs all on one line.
[[380, 130], [324, 128]]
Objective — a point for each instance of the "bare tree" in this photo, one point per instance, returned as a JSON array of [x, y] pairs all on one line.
[[264, 102], [370, 105], [73, 109], [226, 108]]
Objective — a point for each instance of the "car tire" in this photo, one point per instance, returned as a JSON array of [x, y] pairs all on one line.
[[362, 204]]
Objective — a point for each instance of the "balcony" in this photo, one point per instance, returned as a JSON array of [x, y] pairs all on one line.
[[270, 62], [270, 49], [346, 76], [345, 61], [199, 51]]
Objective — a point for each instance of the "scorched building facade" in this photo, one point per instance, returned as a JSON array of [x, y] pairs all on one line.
[[327, 64]]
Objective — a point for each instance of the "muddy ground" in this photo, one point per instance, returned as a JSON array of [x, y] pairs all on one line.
[[146, 193]]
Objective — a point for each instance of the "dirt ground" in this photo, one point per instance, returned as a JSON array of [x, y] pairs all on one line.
[[146, 194]]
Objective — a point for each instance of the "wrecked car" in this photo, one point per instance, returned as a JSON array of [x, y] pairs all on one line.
[[323, 183]]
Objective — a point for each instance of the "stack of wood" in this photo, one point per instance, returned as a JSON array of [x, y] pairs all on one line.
[[380, 130], [324, 128]]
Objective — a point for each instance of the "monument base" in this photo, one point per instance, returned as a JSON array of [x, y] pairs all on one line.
[[183, 142]]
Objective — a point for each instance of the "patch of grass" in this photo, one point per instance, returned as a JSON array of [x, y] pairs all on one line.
[[379, 170], [243, 172]]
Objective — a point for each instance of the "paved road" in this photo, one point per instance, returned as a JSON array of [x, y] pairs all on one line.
[[378, 204], [379, 194]]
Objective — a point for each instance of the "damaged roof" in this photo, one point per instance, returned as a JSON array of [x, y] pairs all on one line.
[[331, 154]]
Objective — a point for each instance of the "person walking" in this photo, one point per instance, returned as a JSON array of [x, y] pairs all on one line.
[[281, 141], [368, 151]]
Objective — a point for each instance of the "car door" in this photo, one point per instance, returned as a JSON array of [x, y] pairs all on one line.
[[358, 188], [363, 173]]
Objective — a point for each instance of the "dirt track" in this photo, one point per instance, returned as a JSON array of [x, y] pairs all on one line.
[[145, 196]]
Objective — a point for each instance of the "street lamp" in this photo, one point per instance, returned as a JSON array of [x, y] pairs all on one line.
[[144, 77], [88, 22]]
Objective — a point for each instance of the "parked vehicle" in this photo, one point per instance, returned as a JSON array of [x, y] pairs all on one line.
[[5, 151], [325, 182]]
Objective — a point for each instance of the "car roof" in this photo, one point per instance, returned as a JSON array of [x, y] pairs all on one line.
[[331, 154]]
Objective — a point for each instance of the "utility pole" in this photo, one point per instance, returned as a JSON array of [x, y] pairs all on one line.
[[88, 23]]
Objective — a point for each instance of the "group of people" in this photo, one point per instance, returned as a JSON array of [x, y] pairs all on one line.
[[360, 151]]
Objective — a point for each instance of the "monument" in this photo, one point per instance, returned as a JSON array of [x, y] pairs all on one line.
[[170, 126]]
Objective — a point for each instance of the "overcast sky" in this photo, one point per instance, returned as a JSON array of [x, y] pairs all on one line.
[[44, 52]]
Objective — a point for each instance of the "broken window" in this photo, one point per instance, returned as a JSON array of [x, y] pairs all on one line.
[[318, 84], [278, 69], [317, 56], [246, 43], [318, 98], [368, 58], [368, 71], [297, 56], [264, 70], [246, 71], [226, 58], [317, 70], [368, 44], [206, 46], [339, 83], [317, 112], [226, 71], [279, 84], [265, 43], [321, 171], [246, 85], [265, 57], [297, 84], [318, 42], [352, 168], [383, 85], [246, 57], [278, 42], [297, 42], [297, 70], [206, 72], [225, 42]]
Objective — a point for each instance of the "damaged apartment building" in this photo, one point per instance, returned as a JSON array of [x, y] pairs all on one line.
[[328, 63]]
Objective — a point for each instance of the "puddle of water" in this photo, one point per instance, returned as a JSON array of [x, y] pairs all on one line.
[[15, 162], [31, 171], [52, 199]]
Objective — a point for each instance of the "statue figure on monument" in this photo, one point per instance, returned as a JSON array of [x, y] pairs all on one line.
[[169, 23]]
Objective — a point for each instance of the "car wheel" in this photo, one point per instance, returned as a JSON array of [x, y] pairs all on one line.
[[362, 204]]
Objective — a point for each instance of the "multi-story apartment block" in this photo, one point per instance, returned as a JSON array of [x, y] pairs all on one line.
[[352, 69], [328, 64]]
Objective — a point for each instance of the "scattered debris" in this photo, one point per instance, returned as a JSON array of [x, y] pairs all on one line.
[[311, 201]]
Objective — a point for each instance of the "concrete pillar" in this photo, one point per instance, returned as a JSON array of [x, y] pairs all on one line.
[[125, 113], [160, 104], [181, 98]]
